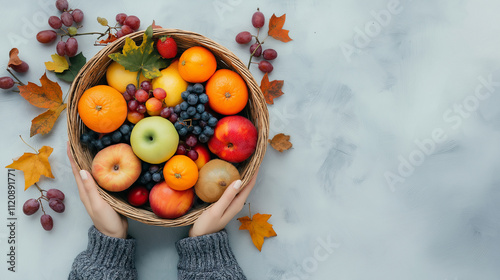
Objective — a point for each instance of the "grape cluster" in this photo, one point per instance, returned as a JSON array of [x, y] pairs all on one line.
[[55, 199], [69, 23], [128, 24], [245, 37], [193, 119], [146, 100], [151, 174], [97, 142]]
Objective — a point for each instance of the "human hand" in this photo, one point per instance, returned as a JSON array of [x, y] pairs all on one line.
[[218, 216], [105, 218]]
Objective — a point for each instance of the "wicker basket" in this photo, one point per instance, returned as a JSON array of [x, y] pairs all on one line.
[[93, 73]]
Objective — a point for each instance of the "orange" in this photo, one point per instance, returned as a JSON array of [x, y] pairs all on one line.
[[227, 92], [197, 64], [102, 108], [180, 172]]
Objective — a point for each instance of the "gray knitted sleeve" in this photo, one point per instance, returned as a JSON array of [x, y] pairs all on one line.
[[207, 257], [105, 258]]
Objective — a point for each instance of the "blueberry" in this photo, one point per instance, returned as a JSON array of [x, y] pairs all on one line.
[[197, 116], [183, 131], [177, 109], [191, 111], [184, 95], [184, 105], [203, 98], [198, 88], [200, 108], [125, 129], [190, 88], [207, 130], [197, 130], [205, 116], [85, 139], [184, 115], [156, 177], [192, 99], [203, 138], [106, 140], [116, 136], [178, 125], [212, 122]]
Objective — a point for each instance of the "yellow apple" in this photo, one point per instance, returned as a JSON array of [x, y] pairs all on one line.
[[172, 82], [119, 78]]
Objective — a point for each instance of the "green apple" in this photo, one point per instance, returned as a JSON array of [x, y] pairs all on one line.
[[154, 139]]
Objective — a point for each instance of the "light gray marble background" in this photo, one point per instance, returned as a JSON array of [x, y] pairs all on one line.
[[393, 108]]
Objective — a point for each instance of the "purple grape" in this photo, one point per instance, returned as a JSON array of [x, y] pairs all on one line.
[[257, 52], [56, 205], [67, 19], [131, 89], [6, 82], [269, 54], [127, 96], [61, 48], [71, 47], [191, 141], [77, 15], [47, 222], [146, 85], [173, 117], [132, 21], [55, 22], [21, 68], [258, 19], [46, 36], [165, 113], [133, 104], [243, 37], [55, 193], [62, 5], [120, 18], [31, 206], [192, 154], [141, 108], [265, 66]]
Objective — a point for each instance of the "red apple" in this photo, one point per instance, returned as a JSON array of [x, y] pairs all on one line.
[[116, 167], [168, 203], [203, 155], [234, 139]]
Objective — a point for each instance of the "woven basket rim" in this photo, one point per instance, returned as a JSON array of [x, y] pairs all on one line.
[[92, 72]]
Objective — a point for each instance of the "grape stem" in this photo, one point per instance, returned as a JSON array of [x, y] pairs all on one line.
[[15, 77], [41, 197], [258, 46]]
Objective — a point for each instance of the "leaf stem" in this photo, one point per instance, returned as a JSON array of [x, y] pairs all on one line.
[[28, 144], [15, 77]]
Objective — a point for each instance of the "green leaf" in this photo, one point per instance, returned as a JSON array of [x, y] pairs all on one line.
[[77, 63], [143, 59]]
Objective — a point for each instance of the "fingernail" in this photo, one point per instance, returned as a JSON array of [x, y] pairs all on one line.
[[237, 184], [83, 175]]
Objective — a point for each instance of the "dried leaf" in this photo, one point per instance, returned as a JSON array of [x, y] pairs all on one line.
[[48, 96], [155, 26], [276, 28], [144, 58], [33, 166], [58, 64], [77, 62], [111, 38], [258, 228], [280, 142], [14, 58], [271, 89]]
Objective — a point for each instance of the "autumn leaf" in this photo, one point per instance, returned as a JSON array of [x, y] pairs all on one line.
[[34, 166], [76, 63], [280, 142], [144, 58], [14, 58], [271, 89], [58, 64], [258, 227], [47, 96], [155, 26], [276, 29], [111, 38]]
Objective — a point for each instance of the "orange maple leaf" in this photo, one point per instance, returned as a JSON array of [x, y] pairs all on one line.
[[14, 58], [111, 38], [33, 166], [47, 96], [276, 28], [271, 89], [258, 228]]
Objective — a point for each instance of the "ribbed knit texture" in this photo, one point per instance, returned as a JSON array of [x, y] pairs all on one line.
[[106, 258], [207, 257]]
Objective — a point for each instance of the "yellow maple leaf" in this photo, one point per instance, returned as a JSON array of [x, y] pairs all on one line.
[[33, 166], [258, 228], [58, 64]]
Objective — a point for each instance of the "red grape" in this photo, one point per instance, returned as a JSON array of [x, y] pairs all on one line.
[[192, 154], [243, 37], [21, 68], [191, 141], [159, 93], [62, 5], [56, 205], [47, 222], [257, 52], [173, 117], [46, 36], [141, 95], [127, 96], [31, 206], [71, 47], [131, 89], [181, 150], [77, 15], [138, 195], [146, 85], [119, 34], [61, 48], [126, 30], [165, 113], [120, 18], [132, 21], [55, 22], [6, 82], [269, 54], [258, 19], [67, 19], [132, 105], [265, 66], [141, 108], [55, 193]]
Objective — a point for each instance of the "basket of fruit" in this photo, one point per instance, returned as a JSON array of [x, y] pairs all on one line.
[[164, 139]]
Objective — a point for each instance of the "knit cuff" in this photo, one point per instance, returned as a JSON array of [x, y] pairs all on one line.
[[111, 251], [205, 253]]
